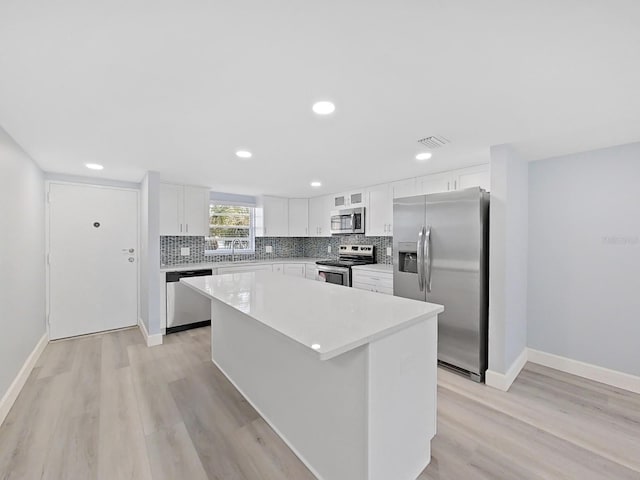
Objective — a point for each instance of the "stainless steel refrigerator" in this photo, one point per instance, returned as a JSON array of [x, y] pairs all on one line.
[[441, 245]]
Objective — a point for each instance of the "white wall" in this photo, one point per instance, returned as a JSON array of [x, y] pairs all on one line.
[[150, 252], [22, 258], [584, 257], [508, 259]]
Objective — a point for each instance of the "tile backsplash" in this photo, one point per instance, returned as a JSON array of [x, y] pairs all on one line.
[[283, 247], [316, 247]]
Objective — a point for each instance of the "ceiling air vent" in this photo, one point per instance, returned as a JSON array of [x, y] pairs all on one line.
[[434, 141]]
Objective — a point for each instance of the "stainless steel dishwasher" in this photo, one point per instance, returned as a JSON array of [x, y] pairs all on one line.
[[185, 308]]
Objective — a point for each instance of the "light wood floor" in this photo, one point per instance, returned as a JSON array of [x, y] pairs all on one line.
[[107, 407]]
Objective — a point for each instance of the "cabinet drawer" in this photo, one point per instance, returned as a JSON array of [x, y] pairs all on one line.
[[244, 268], [364, 286], [383, 280], [373, 288]]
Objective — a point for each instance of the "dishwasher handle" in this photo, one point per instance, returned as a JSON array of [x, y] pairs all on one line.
[[176, 276]]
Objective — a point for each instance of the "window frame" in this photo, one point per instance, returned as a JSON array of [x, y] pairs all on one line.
[[252, 231]]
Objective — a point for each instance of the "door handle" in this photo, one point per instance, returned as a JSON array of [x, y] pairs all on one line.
[[187, 227], [420, 252], [428, 259]]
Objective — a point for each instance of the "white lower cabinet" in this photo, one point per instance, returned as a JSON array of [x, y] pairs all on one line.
[[381, 282], [245, 268], [294, 269], [311, 272]]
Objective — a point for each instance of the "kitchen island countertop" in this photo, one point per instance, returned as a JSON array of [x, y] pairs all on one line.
[[329, 319]]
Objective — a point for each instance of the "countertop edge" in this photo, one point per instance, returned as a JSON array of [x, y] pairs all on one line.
[[378, 335]]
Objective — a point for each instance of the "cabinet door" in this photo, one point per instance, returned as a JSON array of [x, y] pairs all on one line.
[[356, 199], [405, 188], [276, 217], [298, 217], [479, 176], [437, 183], [196, 211], [320, 216], [311, 272], [294, 269], [379, 214], [340, 201], [244, 268], [171, 209]]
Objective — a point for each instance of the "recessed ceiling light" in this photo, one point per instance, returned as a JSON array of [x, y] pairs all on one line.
[[316, 184], [423, 156], [324, 108], [93, 166], [316, 346], [244, 154]]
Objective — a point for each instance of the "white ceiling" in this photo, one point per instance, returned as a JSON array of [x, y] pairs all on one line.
[[177, 86]]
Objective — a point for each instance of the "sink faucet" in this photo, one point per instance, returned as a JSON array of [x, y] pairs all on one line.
[[233, 248]]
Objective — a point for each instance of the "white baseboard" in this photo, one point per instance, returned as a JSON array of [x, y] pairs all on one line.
[[503, 381], [614, 378], [151, 340], [10, 396]]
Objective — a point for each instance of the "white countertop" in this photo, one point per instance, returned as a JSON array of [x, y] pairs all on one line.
[[205, 265], [375, 267], [329, 319]]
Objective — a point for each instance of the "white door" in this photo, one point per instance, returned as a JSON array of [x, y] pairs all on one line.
[[93, 259]]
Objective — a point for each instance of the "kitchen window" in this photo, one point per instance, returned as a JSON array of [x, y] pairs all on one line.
[[231, 229]]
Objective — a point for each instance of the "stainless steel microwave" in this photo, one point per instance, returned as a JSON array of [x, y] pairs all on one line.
[[347, 220]]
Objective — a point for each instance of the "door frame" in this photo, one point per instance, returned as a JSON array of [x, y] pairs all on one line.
[[47, 218]]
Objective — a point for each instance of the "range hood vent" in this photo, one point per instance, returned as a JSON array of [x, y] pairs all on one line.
[[434, 141]]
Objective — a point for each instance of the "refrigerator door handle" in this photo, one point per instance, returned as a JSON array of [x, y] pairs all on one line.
[[427, 257], [420, 251]]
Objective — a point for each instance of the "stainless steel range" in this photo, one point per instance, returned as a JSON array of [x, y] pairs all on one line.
[[339, 271]]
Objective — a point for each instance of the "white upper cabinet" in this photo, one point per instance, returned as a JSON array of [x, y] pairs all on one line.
[[320, 216], [379, 213], [196, 211], [439, 182], [275, 217], [184, 210], [478, 176], [298, 217], [405, 188], [356, 198]]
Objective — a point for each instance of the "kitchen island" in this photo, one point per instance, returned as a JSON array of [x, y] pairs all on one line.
[[346, 377]]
